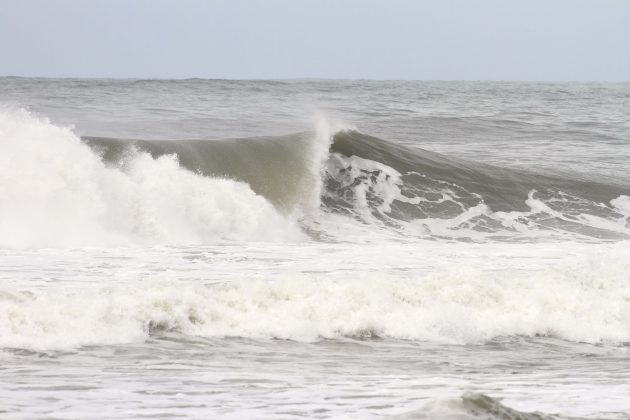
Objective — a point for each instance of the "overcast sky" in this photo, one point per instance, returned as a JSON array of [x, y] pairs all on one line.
[[386, 39]]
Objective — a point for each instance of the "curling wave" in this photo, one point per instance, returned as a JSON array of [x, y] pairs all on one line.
[[403, 189], [60, 190]]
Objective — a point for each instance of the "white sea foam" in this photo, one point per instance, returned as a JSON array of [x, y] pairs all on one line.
[[585, 299], [370, 189], [368, 180], [57, 192], [385, 275], [622, 204]]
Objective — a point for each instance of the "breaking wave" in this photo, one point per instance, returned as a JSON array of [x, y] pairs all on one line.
[[403, 189], [61, 190], [57, 192]]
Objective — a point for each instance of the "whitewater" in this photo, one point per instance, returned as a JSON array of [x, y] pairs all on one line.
[[319, 249]]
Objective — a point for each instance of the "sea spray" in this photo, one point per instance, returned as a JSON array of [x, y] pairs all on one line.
[[57, 192]]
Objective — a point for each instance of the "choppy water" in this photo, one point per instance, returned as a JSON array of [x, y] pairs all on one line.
[[318, 249]]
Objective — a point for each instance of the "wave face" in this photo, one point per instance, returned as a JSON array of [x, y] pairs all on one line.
[[58, 192], [399, 189], [282, 169]]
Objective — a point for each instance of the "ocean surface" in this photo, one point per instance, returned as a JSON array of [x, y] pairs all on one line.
[[314, 249]]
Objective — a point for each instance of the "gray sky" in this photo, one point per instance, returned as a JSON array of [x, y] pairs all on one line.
[[386, 39]]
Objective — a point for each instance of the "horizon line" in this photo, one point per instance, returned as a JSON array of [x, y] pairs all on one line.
[[308, 78]]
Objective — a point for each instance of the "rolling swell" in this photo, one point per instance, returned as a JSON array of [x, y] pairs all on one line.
[[396, 186]]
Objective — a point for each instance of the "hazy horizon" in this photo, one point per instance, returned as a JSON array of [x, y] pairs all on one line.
[[482, 40], [314, 79]]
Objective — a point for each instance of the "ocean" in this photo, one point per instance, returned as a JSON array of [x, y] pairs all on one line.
[[314, 249]]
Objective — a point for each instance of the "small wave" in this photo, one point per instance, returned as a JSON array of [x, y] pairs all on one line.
[[471, 405]]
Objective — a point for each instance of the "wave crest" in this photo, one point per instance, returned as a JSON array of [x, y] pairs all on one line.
[[58, 192]]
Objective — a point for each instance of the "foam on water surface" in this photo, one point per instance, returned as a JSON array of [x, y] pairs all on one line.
[[427, 293], [201, 249]]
